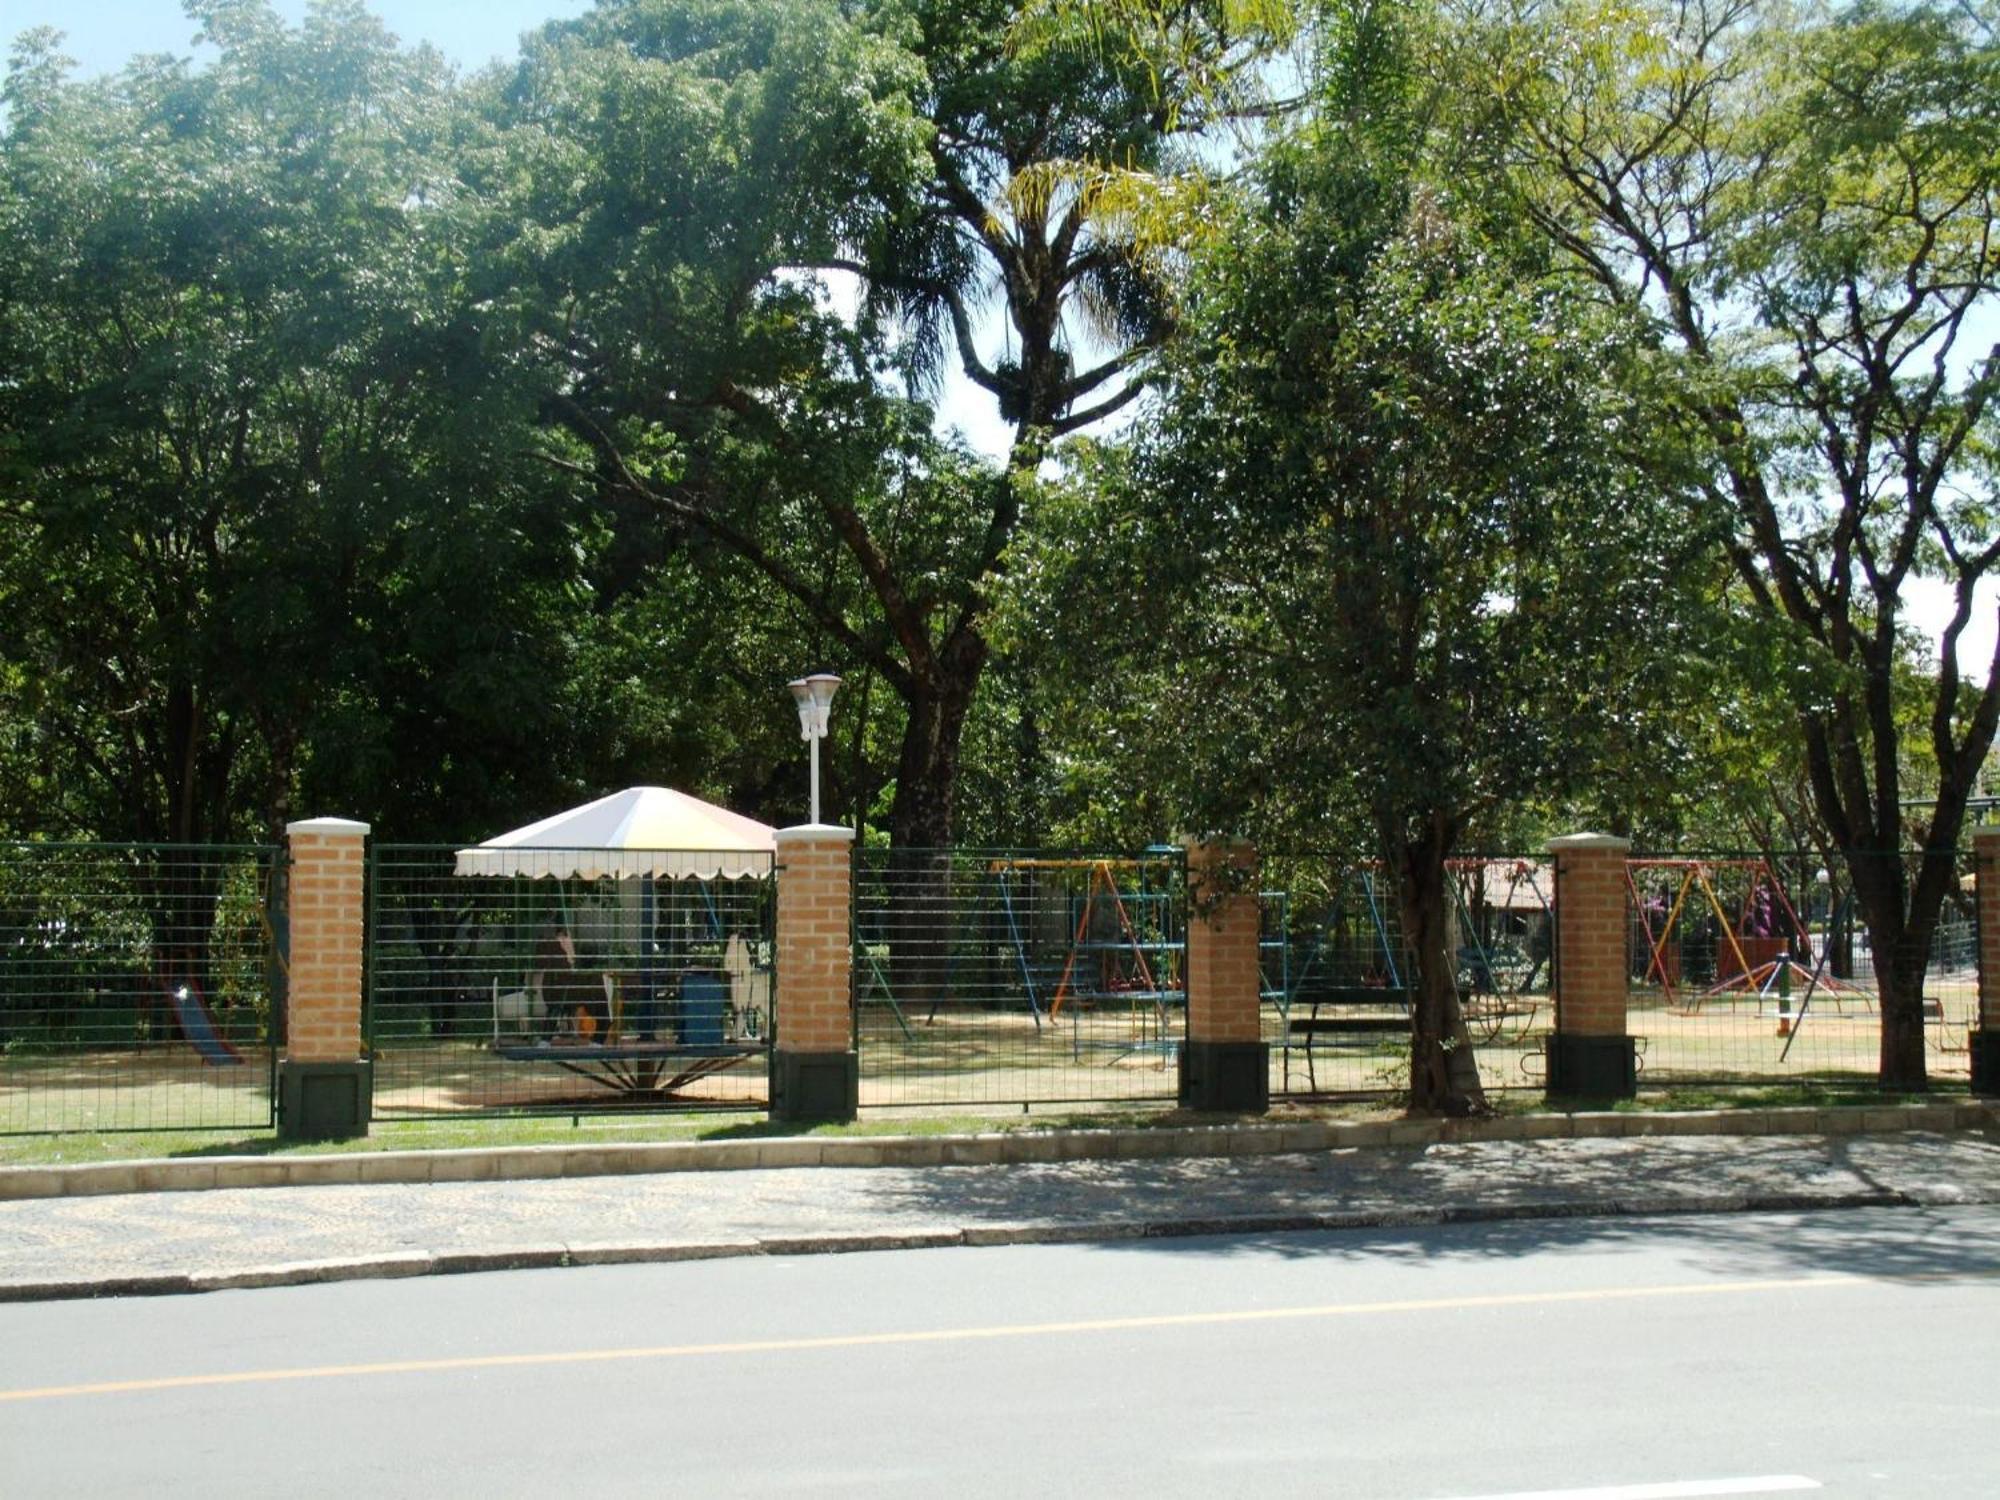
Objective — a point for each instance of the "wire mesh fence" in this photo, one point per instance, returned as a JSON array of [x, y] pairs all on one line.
[[141, 987], [568, 981], [1502, 919], [1337, 974], [994, 976], [1749, 968]]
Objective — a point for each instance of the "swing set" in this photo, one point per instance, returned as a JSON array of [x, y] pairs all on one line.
[[1119, 949], [1110, 962], [1332, 947], [1747, 963]]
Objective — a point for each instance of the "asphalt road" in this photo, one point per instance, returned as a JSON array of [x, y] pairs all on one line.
[[1851, 1352]]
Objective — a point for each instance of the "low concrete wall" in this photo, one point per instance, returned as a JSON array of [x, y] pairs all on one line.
[[518, 1162]]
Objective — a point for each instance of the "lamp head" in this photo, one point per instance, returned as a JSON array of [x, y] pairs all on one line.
[[814, 696]]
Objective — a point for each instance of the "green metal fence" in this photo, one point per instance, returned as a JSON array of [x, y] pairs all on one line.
[[1744, 969], [1016, 977], [1337, 973], [141, 986], [568, 981]]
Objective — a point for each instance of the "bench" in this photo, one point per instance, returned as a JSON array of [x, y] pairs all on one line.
[[1364, 1014]]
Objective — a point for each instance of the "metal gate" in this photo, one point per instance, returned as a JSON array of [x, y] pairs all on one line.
[[141, 986], [556, 986], [1013, 977]]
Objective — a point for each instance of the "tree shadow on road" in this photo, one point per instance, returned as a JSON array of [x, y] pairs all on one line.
[[1473, 1203]]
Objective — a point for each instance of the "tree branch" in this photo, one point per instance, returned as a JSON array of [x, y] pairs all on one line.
[[744, 545]]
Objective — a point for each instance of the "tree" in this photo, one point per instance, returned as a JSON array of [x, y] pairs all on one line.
[[1800, 202], [269, 529], [1058, 134], [1390, 512], [691, 169]]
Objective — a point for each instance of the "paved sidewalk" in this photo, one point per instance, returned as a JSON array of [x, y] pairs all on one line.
[[198, 1241]]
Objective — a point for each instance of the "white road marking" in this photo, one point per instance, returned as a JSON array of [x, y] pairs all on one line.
[[1679, 1489]]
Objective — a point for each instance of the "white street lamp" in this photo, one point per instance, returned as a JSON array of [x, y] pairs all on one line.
[[814, 696]]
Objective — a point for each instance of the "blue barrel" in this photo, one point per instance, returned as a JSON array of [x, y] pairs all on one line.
[[704, 993]]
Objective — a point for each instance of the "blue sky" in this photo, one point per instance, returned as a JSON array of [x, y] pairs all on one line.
[[102, 34]]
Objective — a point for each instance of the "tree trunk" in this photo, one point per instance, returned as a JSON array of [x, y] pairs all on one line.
[[181, 880], [1444, 1072], [1899, 924], [1901, 988], [927, 770], [924, 916]]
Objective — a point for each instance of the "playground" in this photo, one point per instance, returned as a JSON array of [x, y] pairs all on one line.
[[1735, 957], [998, 1014], [998, 976]]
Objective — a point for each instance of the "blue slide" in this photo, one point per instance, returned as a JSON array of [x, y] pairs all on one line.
[[198, 1026]]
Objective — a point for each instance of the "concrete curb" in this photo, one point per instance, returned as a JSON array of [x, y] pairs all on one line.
[[537, 1257], [516, 1163]]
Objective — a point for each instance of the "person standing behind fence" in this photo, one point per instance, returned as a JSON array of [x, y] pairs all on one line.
[[554, 959], [569, 998]]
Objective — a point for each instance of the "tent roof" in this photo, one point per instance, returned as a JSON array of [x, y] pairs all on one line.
[[643, 830]]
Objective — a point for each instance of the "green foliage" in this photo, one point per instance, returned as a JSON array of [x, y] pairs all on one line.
[[1387, 544], [269, 531], [1393, 558], [659, 161], [1800, 203], [441, 452]]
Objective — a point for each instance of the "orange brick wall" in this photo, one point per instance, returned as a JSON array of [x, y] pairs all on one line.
[[1222, 979], [814, 999], [327, 902], [1591, 924], [1986, 865]]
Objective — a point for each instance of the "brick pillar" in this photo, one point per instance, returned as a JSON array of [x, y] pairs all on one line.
[[815, 1071], [1985, 1038], [323, 1082], [1590, 1053], [1226, 1064]]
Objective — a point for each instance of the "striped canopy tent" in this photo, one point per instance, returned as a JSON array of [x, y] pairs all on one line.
[[643, 831]]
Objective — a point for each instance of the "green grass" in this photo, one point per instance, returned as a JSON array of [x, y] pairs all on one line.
[[1805, 1095], [441, 1135]]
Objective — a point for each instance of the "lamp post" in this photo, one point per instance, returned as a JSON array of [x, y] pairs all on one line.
[[814, 696]]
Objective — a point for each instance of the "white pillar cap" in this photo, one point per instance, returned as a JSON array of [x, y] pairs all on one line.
[[332, 826], [1588, 841], [806, 833]]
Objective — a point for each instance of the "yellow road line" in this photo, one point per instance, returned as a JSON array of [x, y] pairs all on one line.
[[938, 1335]]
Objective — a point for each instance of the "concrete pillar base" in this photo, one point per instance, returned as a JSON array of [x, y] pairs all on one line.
[[324, 1101], [1592, 1067], [1227, 1077], [1985, 1044], [815, 1087]]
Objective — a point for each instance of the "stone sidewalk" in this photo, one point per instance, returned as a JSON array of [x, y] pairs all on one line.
[[152, 1242]]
